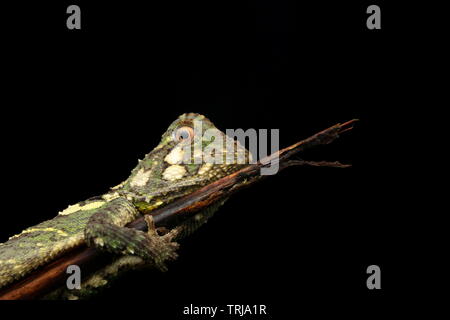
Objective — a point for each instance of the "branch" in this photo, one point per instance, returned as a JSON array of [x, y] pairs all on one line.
[[54, 274]]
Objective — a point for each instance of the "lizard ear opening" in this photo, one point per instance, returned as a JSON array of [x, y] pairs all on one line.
[[183, 134]]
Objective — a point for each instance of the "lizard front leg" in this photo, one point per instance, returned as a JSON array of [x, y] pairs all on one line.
[[106, 230]]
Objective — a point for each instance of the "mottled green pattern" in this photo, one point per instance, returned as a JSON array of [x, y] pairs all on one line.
[[40, 244], [107, 275], [158, 179]]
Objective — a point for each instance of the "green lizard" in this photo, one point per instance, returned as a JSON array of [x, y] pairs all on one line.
[[161, 177]]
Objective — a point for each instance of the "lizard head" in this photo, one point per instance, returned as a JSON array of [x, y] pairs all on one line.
[[191, 154]]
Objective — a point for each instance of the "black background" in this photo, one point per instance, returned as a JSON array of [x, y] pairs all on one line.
[[86, 104]]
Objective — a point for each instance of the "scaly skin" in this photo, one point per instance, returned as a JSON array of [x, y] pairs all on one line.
[[106, 275], [157, 180]]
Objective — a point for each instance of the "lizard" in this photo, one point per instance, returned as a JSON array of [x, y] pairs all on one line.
[[166, 173]]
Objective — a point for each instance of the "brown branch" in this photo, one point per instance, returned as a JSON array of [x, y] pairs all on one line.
[[54, 274]]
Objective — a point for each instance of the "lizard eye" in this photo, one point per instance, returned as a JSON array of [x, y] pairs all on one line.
[[183, 134]]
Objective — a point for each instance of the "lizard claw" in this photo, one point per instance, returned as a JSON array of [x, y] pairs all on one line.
[[151, 225], [172, 234], [163, 246]]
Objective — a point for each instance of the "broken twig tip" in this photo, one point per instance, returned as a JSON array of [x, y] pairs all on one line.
[[347, 126]]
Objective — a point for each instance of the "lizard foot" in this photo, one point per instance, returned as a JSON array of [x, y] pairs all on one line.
[[163, 246]]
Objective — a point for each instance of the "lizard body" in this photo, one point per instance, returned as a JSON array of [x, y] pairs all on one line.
[[106, 275], [161, 177]]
